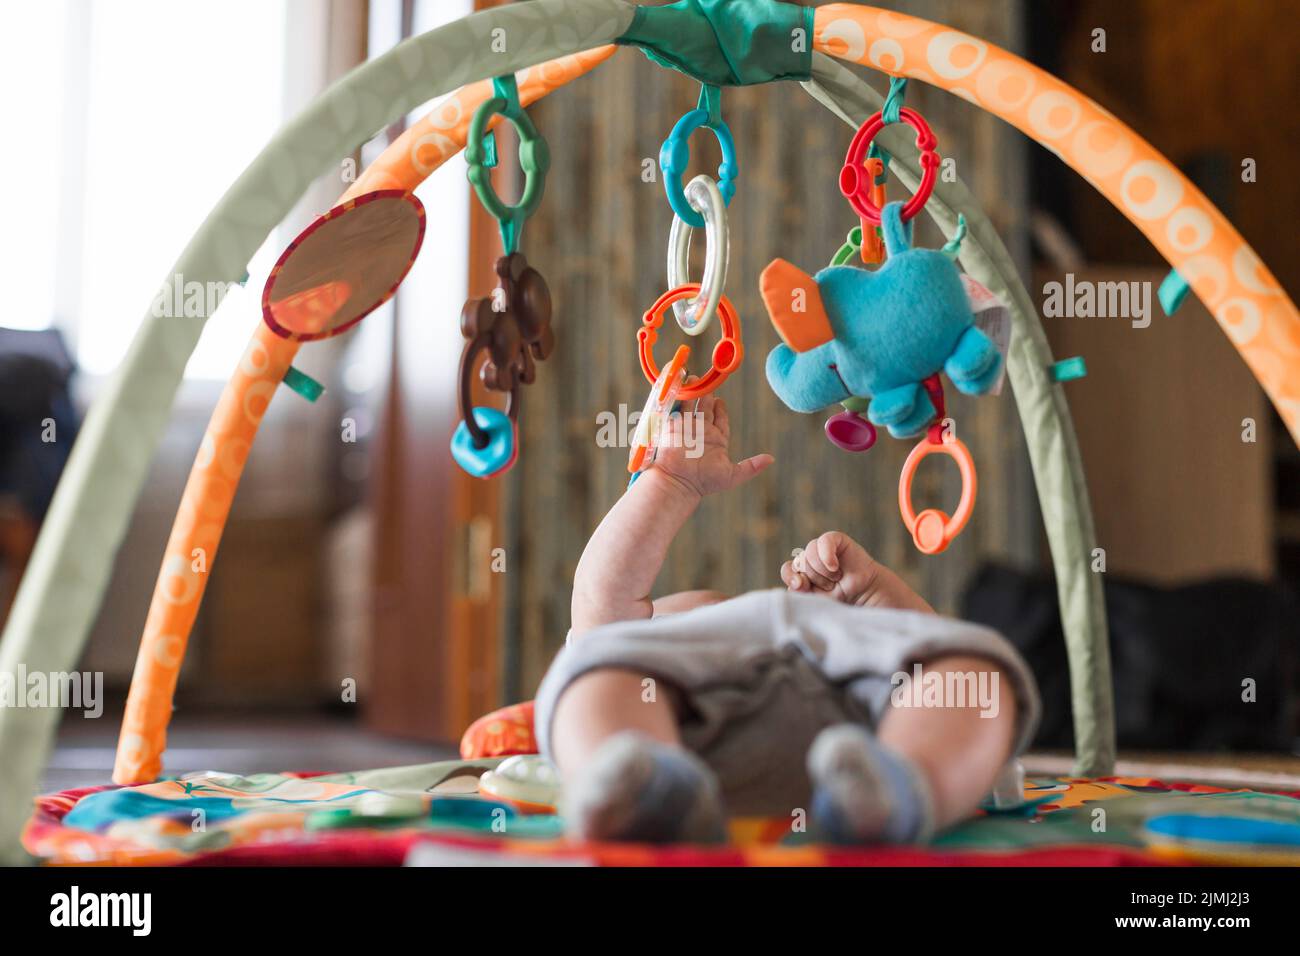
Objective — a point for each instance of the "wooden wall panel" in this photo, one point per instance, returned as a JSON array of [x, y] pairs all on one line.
[[1177, 495], [600, 239]]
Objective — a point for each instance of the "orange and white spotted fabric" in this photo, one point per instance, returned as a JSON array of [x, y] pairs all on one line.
[[210, 489], [1173, 214]]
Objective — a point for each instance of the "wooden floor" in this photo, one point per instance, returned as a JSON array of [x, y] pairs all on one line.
[[83, 754], [1260, 771]]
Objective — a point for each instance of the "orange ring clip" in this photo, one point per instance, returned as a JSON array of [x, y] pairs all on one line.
[[872, 250], [662, 396], [932, 530], [727, 354]]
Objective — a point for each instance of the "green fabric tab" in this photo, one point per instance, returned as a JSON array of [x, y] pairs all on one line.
[[727, 42], [1067, 370], [303, 384], [1172, 291]]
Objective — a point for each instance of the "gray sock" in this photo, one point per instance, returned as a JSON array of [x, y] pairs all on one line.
[[635, 789], [864, 792]]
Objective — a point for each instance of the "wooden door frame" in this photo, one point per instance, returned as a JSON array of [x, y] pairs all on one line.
[[436, 652]]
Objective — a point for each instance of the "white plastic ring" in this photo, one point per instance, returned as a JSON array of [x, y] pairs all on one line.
[[695, 315]]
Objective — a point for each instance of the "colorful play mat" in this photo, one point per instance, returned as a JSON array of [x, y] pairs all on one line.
[[379, 817]]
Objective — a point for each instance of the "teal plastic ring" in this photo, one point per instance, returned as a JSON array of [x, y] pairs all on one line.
[[495, 456], [675, 157]]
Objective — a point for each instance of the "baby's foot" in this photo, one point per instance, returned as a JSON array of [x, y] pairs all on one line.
[[864, 792], [635, 789]]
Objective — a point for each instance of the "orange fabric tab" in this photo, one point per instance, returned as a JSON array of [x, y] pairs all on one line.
[[794, 304]]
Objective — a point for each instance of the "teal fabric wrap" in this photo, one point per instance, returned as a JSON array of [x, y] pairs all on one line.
[[727, 42]]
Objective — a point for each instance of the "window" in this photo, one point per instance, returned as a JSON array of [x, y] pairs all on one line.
[[32, 144], [138, 117], [147, 112]]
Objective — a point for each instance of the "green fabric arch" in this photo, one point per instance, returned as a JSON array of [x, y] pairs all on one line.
[[1044, 413], [70, 566]]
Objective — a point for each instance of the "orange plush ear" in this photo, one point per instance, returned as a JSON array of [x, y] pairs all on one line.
[[785, 286]]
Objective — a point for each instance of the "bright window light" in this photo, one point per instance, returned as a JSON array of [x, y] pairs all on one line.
[[31, 74], [182, 96]]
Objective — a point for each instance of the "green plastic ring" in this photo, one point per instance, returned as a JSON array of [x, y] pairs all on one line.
[[534, 159], [852, 243]]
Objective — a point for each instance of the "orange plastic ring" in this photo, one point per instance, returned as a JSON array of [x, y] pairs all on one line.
[[658, 398], [932, 530], [727, 354]]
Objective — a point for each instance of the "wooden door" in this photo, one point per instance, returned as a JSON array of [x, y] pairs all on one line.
[[435, 654]]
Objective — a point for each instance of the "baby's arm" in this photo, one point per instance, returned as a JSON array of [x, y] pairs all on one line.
[[835, 565], [623, 557]]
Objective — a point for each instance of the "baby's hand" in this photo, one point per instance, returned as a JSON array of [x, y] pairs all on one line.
[[693, 450], [835, 565]]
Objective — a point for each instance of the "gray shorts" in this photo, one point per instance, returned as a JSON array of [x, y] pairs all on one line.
[[760, 675]]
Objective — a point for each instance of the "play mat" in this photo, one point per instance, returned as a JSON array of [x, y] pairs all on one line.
[[378, 816], [473, 811], [873, 337]]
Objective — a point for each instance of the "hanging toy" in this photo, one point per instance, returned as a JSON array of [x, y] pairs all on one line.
[[877, 335], [654, 415], [876, 341], [695, 305], [704, 196], [932, 530], [513, 325], [670, 386]]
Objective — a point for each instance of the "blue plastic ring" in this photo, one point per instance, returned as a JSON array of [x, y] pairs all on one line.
[[675, 157], [496, 456]]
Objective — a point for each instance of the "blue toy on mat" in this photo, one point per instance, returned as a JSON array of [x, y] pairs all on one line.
[[877, 335]]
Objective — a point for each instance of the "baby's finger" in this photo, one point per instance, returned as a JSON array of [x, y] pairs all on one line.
[[792, 578], [720, 416], [828, 550], [742, 471], [815, 561], [810, 564]]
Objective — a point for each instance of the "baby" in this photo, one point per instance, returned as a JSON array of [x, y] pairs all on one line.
[[842, 699]]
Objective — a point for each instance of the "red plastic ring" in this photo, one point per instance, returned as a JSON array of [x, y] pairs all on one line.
[[856, 183], [727, 354]]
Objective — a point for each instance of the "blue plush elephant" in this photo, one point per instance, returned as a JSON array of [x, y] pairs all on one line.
[[877, 335]]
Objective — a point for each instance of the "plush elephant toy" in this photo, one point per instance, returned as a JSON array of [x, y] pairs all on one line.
[[876, 335]]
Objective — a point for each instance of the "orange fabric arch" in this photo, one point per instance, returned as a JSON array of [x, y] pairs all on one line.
[[1196, 239], [210, 489]]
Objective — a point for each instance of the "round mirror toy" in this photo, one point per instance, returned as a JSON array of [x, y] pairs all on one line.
[[343, 266]]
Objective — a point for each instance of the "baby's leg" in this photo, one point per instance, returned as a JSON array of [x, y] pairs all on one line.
[[926, 768], [605, 702], [614, 737], [958, 751]]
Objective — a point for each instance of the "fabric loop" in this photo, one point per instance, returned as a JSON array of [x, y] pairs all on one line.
[[727, 42]]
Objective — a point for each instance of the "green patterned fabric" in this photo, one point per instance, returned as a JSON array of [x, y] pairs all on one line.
[[1049, 430], [73, 558], [727, 42]]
